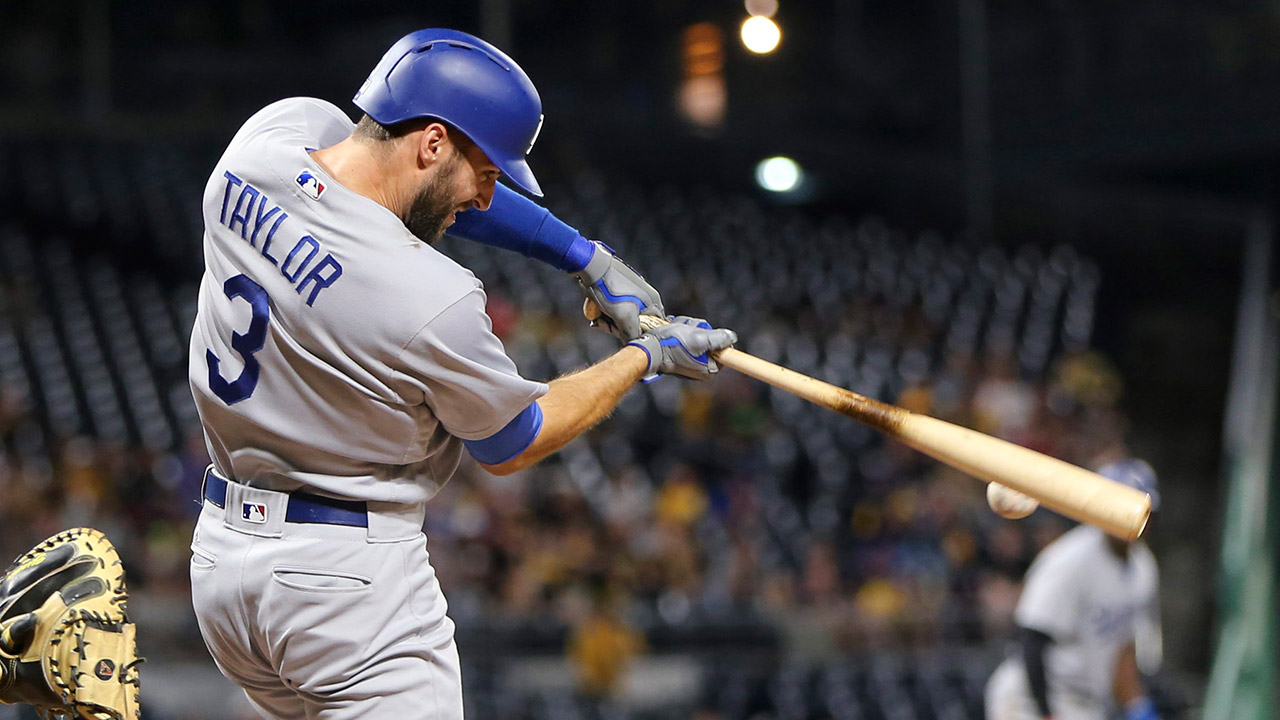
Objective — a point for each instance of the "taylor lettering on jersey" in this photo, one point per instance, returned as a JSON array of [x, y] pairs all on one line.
[[252, 213]]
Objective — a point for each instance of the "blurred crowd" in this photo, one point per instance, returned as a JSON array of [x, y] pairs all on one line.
[[696, 504], [914, 556], [907, 557], [143, 499]]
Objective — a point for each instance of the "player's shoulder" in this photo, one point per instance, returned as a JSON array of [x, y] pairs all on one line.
[[275, 136], [419, 281], [1078, 546], [1145, 561], [431, 276], [308, 121]]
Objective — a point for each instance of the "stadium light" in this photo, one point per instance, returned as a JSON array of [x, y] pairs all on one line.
[[760, 34], [778, 174], [703, 95]]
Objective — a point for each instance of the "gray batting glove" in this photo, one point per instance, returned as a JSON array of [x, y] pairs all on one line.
[[683, 347], [620, 291]]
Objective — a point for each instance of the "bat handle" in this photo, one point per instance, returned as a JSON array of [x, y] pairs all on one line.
[[647, 322], [728, 357]]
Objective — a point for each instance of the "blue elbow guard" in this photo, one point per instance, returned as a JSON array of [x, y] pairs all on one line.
[[511, 440], [516, 223]]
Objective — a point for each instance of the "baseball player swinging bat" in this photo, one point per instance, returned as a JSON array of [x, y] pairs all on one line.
[[1073, 491]]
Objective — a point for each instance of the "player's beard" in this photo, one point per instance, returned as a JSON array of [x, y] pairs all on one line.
[[432, 205]]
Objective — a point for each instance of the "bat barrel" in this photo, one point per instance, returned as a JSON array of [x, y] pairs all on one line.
[[1060, 486], [1075, 492]]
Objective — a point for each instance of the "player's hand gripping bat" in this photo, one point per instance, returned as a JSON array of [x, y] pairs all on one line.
[[1075, 492]]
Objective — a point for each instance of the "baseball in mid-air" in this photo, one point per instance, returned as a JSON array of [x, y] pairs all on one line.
[[1009, 503]]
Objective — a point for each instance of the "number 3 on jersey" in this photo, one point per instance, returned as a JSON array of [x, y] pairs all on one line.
[[248, 343]]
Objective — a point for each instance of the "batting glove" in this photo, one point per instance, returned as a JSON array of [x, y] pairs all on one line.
[[1141, 709], [620, 291], [683, 347]]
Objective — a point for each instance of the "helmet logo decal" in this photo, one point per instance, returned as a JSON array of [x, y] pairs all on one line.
[[537, 131]]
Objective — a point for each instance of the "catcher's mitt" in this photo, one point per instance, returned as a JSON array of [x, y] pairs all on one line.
[[66, 644]]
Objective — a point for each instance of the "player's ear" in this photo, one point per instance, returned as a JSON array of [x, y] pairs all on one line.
[[432, 142]]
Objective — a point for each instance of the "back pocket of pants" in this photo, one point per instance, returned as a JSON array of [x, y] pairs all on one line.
[[319, 579]]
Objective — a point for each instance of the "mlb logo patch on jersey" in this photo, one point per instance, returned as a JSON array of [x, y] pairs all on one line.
[[310, 184], [254, 512]]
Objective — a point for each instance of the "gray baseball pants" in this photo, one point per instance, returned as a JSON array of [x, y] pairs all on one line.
[[324, 622]]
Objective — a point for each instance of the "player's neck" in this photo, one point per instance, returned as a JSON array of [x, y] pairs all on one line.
[[362, 171]]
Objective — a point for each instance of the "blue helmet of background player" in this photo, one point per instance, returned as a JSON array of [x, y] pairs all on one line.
[[466, 82], [1135, 473]]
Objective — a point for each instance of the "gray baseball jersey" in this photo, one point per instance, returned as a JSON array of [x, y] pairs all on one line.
[[333, 349], [1091, 603]]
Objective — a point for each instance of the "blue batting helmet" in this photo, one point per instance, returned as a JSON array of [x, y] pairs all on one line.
[[1135, 473], [468, 83]]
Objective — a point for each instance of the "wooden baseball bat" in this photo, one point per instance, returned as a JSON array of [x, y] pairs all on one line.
[[1073, 491]]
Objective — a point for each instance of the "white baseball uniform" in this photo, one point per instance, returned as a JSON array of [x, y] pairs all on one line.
[[335, 354], [1092, 603]]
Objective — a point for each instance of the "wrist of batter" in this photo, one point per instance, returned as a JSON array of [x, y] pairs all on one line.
[[652, 349], [579, 255], [595, 263]]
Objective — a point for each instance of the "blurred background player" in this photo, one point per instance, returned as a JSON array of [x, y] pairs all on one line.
[[1089, 610]]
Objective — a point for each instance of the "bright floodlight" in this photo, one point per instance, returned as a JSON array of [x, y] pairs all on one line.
[[778, 174], [760, 34]]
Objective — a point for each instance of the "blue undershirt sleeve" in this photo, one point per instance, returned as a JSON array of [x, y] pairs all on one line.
[[511, 440], [516, 223]]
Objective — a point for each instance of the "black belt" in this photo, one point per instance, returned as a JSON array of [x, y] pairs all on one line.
[[303, 507]]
